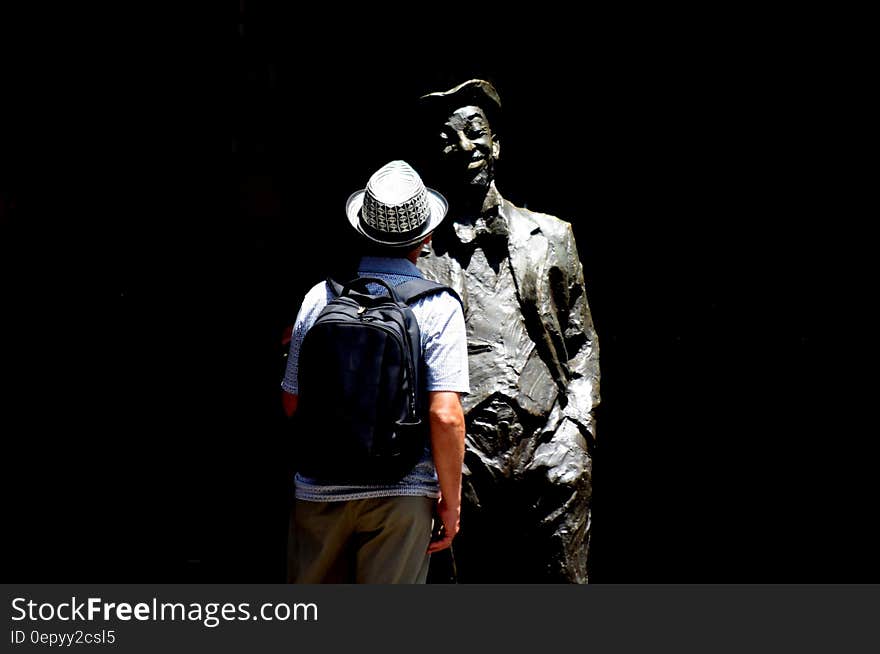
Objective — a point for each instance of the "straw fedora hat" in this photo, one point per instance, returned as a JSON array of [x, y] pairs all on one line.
[[396, 209]]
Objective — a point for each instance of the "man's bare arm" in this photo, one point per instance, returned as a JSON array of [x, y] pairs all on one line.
[[447, 445]]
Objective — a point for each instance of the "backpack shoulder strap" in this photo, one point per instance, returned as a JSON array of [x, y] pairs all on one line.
[[334, 286], [416, 289]]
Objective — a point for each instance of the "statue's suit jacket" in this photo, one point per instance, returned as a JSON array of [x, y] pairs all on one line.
[[550, 285]]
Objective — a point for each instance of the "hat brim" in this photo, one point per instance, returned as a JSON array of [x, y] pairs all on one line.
[[436, 203]]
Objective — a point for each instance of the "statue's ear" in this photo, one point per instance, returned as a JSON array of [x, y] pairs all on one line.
[[496, 148]]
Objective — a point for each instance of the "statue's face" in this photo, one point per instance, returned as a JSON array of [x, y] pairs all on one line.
[[469, 148]]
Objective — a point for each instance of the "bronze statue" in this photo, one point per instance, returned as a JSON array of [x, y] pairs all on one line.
[[532, 351]]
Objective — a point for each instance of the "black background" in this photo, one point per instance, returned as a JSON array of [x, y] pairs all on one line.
[[147, 282]]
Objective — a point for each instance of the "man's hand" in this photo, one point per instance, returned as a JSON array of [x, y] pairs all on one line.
[[448, 516], [290, 402]]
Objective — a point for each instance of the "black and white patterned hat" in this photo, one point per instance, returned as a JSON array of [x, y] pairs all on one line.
[[396, 208]]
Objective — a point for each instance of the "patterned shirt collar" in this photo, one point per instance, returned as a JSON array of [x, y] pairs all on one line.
[[389, 266]]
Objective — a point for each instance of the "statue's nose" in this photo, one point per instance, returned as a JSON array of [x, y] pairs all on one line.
[[464, 142]]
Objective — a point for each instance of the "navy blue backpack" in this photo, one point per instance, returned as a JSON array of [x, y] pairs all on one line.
[[362, 414]]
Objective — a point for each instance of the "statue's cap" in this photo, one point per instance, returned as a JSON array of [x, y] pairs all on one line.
[[476, 92]]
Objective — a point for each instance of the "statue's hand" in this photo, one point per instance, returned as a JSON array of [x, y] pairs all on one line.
[[565, 457]]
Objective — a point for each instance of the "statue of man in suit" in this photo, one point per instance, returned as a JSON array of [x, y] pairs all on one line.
[[533, 356]]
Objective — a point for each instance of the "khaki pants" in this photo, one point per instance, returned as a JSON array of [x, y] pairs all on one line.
[[373, 541]]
